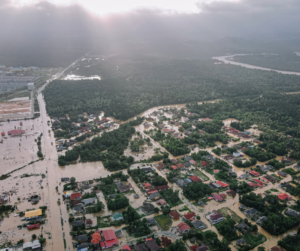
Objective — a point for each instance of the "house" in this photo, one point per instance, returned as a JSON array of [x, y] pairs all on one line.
[[148, 208], [161, 202], [204, 163], [147, 185], [162, 188], [283, 196], [81, 238], [64, 179], [261, 220], [291, 212], [88, 201], [231, 193], [181, 165], [245, 176], [276, 249], [29, 227], [216, 171], [250, 212], [182, 183], [282, 174], [214, 185], [117, 216], [222, 184], [198, 224], [254, 173], [286, 186], [189, 216], [154, 196], [160, 165], [119, 233], [174, 167], [33, 214], [174, 215], [183, 228], [174, 161], [202, 247], [195, 178], [140, 247], [187, 164], [88, 222], [75, 196], [270, 178], [79, 209], [241, 242], [193, 162], [251, 184], [165, 241], [236, 154], [151, 221], [243, 228], [125, 188], [110, 238], [77, 223], [242, 207], [215, 217], [152, 244], [34, 246], [147, 169], [218, 198], [257, 181]]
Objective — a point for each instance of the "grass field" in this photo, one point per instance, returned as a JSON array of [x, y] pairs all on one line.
[[268, 192], [103, 221], [227, 211], [274, 190], [163, 221], [254, 239], [201, 175]]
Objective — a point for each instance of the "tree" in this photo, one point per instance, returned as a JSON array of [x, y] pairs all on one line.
[[166, 210], [261, 248], [33, 237], [156, 210], [72, 180], [254, 228]]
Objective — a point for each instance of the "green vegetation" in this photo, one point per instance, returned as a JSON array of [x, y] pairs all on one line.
[[194, 191], [138, 228], [171, 197], [201, 175], [96, 208], [176, 147], [210, 238], [227, 229], [119, 202], [115, 142], [103, 221], [138, 175], [241, 126], [130, 215], [259, 154], [164, 221], [290, 242], [253, 240], [225, 211], [276, 164]]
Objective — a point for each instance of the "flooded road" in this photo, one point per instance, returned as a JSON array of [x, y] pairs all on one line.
[[229, 60]]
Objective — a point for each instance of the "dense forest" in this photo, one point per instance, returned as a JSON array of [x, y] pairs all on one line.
[[140, 83], [284, 61], [114, 142]]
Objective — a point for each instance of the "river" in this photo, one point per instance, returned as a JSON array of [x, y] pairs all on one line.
[[229, 60]]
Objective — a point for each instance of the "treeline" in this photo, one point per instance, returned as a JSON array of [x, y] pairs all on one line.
[[194, 191], [259, 154], [115, 142], [271, 207], [119, 202], [156, 81]]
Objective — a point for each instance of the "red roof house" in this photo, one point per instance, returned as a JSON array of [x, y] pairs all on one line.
[[175, 215], [193, 162], [216, 171], [189, 216], [194, 178], [194, 247], [75, 196], [162, 202], [251, 184], [204, 163], [174, 167], [110, 238], [147, 185], [96, 238], [222, 184], [283, 196], [126, 247], [181, 165], [254, 173], [258, 181], [152, 191], [15, 132], [33, 226], [218, 197], [183, 227], [162, 188]]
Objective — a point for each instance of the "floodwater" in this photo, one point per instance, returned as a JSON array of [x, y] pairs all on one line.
[[77, 77], [229, 60]]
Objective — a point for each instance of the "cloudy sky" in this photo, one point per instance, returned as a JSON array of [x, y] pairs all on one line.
[[116, 6]]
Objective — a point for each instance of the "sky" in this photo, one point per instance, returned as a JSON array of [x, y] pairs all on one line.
[[118, 6]]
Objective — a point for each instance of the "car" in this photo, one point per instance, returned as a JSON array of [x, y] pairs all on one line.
[[16, 215], [23, 218]]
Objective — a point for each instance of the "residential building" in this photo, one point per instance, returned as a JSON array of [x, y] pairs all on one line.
[[88, 201], [198, 224], [152, 245], [174, 215], [189, 216], [183, 228], [215, 217], [117, 216]]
